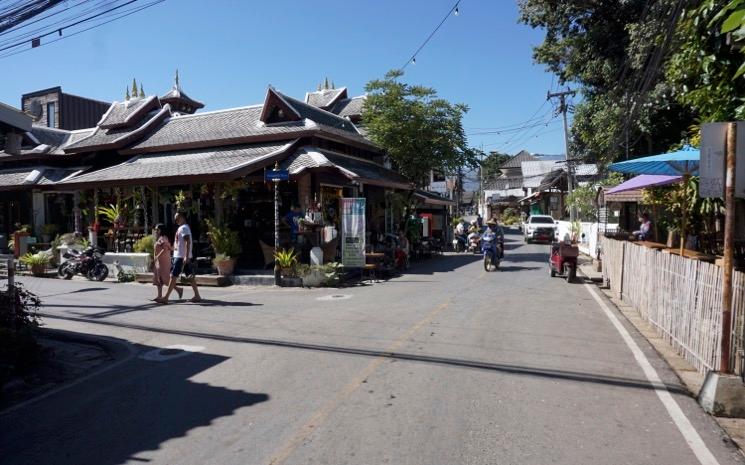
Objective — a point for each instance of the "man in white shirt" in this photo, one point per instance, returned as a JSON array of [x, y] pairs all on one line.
[[182, 259]]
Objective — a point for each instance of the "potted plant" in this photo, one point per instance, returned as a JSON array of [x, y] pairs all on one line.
[[48, 231], [227, 246], [287, 262], [37, 262]]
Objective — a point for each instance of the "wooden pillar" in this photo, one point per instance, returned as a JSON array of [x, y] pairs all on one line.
[[729, 242], [218, 204], [76, 212], [155, 205]]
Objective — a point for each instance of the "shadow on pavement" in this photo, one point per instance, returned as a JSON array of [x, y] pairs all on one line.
[[510, 268], [110, 418], [123, 309], [527, 257], [495, 367], [442, 263]]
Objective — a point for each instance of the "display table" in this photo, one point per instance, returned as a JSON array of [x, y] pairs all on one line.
[[652, 245], [692, 254]]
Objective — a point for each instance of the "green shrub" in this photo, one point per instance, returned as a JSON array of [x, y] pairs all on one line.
[[18, 321], [145, 245], [224, 240]]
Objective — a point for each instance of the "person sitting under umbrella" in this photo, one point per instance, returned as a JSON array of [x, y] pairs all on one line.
[[645, 228]]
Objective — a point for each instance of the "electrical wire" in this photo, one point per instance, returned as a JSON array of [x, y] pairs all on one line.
[[412, 59], [90, 18], [122, 14]]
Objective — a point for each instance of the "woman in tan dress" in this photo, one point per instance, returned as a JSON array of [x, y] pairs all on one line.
[[162, 258]]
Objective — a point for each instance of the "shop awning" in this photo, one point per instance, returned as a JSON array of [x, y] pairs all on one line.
[[34, 176], [355, 169], [199, 165], [431, 198], [625, 196]]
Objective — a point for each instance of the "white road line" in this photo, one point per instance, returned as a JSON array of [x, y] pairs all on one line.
[[691, 436]]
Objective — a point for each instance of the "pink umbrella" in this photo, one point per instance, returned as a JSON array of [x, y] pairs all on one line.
[[644, 181]]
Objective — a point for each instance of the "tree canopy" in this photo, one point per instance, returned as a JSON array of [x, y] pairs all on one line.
[[647, 70], [419, 131]]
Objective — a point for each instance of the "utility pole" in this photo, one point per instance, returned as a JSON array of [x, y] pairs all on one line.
[[563, 108], [481, 182]]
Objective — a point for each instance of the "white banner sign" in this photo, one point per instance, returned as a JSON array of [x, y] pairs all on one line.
[[713, 160], [353, 232]]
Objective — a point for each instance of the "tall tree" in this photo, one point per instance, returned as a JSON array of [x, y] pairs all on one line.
[[420, 132], [491, 163], [614, 52]]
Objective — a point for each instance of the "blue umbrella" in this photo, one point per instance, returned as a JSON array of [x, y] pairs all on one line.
[[683, 162]]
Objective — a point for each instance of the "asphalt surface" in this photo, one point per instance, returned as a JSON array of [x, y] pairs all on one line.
[[444, 365]]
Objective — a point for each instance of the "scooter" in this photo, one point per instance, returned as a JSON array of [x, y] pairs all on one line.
[[490, 249], [563, 260], [88, 263]]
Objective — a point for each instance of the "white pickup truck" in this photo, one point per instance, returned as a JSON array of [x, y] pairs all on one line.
[[540, 228]]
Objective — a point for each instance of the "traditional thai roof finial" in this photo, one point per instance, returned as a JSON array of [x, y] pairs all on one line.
[[126, 93], [135, 92], [326, 84], [319, 87], [142, 92], [176, 83], [333, 86]]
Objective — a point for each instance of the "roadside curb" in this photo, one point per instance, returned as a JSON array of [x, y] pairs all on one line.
[[121, 352], [686, 373]]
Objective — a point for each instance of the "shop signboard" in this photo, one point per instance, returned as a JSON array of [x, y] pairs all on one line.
[[276, 175], [353, 232], [713, 159]]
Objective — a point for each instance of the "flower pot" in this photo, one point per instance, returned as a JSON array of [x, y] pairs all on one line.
[[38, 270], [225, 267], [288, 272]]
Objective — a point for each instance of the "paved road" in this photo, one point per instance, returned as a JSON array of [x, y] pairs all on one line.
[[445, 365]]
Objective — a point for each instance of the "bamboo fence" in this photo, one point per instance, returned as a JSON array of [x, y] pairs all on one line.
[[680, 297]]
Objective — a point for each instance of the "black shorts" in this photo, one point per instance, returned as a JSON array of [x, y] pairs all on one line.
[[178, 266]]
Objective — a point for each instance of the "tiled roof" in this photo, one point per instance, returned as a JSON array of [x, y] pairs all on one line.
[[349, 107], [215, 126], [353, 168], [118, 137], [170, 165], [126, 113], [177, 94], [433, 198], [324, 98], [539, 168], [319, 116], [33, 176], [50, 136], [516, 161], [369, 172], [504, 182]]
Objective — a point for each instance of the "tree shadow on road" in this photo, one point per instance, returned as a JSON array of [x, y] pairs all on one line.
[[110, 418], [540, 372]]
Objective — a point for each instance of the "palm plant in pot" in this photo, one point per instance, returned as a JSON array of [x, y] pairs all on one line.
[[287, 261], [227, 246], [37, 262]]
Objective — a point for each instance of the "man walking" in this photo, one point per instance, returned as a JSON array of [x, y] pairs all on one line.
[[182, 256]]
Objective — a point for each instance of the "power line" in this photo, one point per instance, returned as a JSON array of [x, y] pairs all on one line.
[[122, 14], [412, 59]]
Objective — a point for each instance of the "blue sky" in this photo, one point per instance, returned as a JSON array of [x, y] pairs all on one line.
[[227, 52]]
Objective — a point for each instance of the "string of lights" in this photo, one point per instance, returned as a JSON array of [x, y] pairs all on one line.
[[453, 11]]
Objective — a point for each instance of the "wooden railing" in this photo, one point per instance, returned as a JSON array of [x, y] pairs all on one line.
[[680, 297]]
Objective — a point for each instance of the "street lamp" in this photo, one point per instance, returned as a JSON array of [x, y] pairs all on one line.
[[275, 179]]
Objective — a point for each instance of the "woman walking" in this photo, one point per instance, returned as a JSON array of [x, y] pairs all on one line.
[[162, 253]]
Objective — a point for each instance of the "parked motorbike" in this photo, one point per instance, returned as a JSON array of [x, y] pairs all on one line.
[[563, 260], [88, 263], [491, 249]]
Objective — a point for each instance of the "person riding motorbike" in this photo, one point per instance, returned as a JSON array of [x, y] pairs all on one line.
[[459, 240], [493, 226]]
